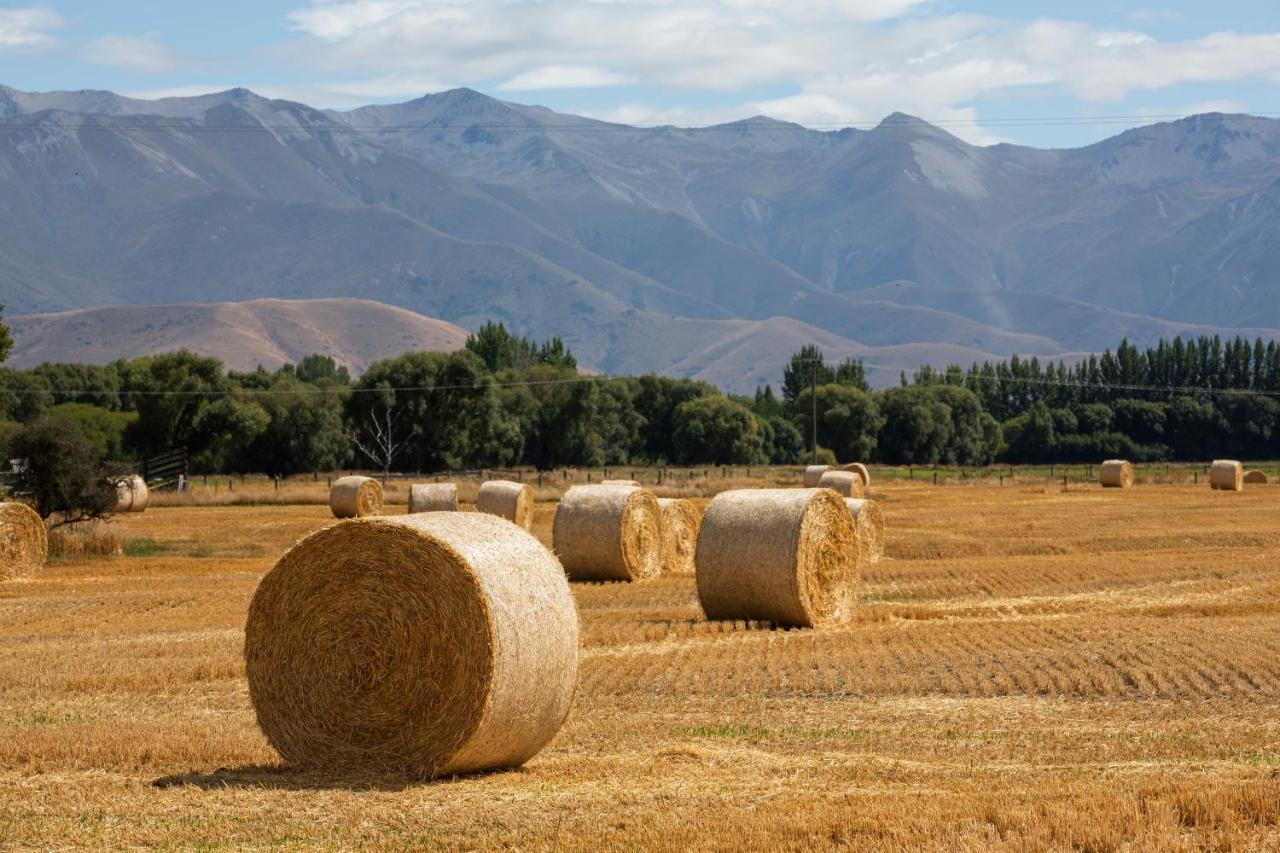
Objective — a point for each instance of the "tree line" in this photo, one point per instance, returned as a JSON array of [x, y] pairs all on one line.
[[505, 401]]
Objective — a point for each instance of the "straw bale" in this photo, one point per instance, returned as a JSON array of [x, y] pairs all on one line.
[[633, 483], [1226, 475], [418, 646], [1255, 477], [813, 474], [507, 499], [433, 497], [24, 544], [787, 556], [132, 494], [868, 521], [861, 470], [847, 484], [355, 497], [1116, 474], [680, 522], [609, 533]]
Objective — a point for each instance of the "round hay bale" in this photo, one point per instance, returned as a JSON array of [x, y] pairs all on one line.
[[787, 556], [24, 543], [506, 499], [847, 484], [861, 470], [813, 474], [635, 484], [868, 521], [355, 497], [1226, 475], [419, 645], [1116, 474], [132, 494], [680, 522], [609, 533], [433, 497], [1255, 477]]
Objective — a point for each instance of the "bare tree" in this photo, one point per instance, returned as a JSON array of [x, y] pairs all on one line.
[[383, 437]]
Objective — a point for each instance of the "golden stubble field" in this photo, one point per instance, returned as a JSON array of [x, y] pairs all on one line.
[[1030, 668]]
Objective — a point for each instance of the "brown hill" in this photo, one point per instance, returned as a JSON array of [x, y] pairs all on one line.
[[267, 332]]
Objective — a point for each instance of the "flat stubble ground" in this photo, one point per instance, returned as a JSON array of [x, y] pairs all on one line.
[[1030, 667]]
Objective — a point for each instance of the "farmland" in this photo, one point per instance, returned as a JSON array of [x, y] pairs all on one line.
[[1033, 665]]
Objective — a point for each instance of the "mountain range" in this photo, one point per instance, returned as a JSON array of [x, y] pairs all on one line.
[[712, 252]]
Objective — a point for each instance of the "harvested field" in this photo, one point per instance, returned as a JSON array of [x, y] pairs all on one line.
[[1029, 667]]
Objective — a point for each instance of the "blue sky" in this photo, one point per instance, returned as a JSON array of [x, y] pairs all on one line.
[[1047, 74]]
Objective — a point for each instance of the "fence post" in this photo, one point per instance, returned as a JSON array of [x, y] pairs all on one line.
[[935, 478]]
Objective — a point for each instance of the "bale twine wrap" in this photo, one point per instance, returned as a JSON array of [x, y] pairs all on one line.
[[868, 522], [847, 484], [1255, 477], [813, 474], [417, 645], [506, 499], [608, 533], [862, 471], [1116, 474], [24, 543], [680, 522], [433, 497], [355, 497], [1226, 475], [132, 494], [787, 556]]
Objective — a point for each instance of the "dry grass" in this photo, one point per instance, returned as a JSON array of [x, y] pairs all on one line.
[[1030, 668]]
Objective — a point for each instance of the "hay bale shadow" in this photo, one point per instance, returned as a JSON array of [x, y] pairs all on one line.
[[275, 777]]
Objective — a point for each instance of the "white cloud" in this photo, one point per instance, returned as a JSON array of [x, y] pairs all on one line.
[[840, 61], [563, 77], [28, 27], [134, 53]]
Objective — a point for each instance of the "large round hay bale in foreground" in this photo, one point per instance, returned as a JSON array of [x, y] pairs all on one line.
[[608, 533], [507, 499], [813, 474], [868, 521], [847, 484], [24, 543], [433, 497], [787, 556], [1116, 474], [1255, 478], [680, 522], [132, 494], [355, 497], [419, 645], [1226, 475], [861, 470]]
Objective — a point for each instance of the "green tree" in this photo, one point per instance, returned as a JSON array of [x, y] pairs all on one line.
[[718, 431], [321, 370], [1030, 437], [60, 475], [224, 430], [304, 431], [6, 339], [849, 421], [169, 392], [102, 428], [917, 426]]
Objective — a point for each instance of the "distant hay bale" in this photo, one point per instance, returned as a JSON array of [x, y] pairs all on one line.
[[1226, 475], [418, 645], [1116, 474], [355, 497], [1255, 477], [680, 522], [787, 556], [847, 484], [506, 499], [433, 497], [132, 494], [24, 544], [632, 483], [609, 533], [813, 474], [861, 470], [868, 521]]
